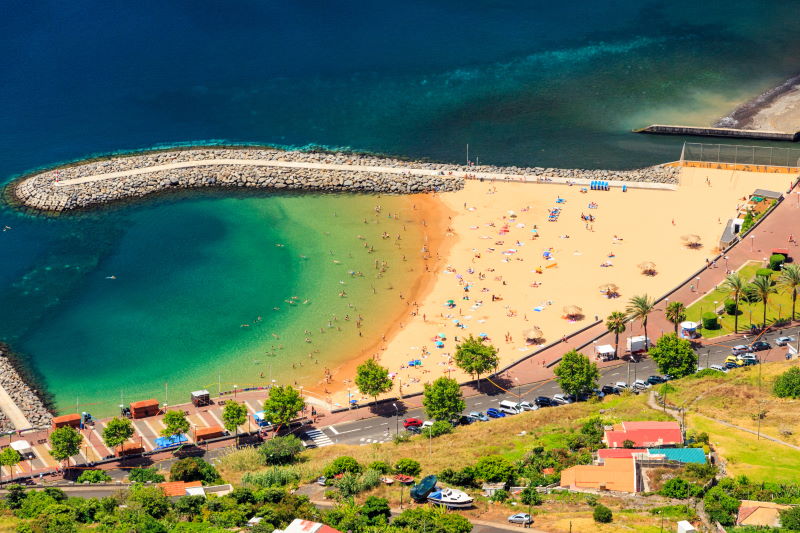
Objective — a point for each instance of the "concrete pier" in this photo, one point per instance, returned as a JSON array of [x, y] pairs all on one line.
[[732, 133]]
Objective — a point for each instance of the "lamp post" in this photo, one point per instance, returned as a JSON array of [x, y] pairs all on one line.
[[396, 419], [234, 390], [752, 242], [519, 391], [697, 279]]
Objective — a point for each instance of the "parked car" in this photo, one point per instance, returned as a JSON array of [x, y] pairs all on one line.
[[495, 413], [740, 349], [609, 389], [760, 345], [655, 380], [783, 341], [594, 392], [477, 415], [525, 405], [748, 357], [544, 401], [416, 430], [462, 420], [719, 368], [510, 408], [641, 384], [412, 422], [562, 399], [748, 362], [730, 365], [621, 385], [520, 518], [733, 359]]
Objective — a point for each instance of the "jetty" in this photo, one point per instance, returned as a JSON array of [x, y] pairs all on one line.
[[707, 131]]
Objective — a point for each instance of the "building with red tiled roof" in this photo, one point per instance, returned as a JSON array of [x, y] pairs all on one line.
[[178, 488], [617, 474], [647, 434], [617, 453], [760, 514], [307, 526]]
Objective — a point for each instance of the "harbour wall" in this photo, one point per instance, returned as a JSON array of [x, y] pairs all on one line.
[[702, 131], [103, 181], [26, 400]]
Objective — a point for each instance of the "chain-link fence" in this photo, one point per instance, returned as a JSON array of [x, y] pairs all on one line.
[[741, 155]]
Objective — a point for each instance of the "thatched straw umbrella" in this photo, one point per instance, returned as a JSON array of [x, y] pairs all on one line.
[[533, 335], [573, 311], [691, 240], [648, 268], [611, 289]]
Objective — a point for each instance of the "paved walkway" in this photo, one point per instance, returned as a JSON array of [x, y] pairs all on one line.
[[13, 412], [491, 176]]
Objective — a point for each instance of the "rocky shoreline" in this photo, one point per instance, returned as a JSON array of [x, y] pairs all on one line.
[[227, 168], [27, 399], [747, 115]]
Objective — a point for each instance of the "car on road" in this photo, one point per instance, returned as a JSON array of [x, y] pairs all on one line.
[[718, 368], [783, 341], [412, 423], [562, 399], [477, 415], [544, 401], [521, 518], [739, 349], [760, 345], [525, 405], [609, 389], [495, 413], [655, 380]]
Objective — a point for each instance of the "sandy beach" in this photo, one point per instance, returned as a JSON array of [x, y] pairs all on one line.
[[508, 268], [777, 109]]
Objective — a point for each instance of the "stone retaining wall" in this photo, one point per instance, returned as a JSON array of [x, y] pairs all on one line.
[[26, 398], [39, 191]]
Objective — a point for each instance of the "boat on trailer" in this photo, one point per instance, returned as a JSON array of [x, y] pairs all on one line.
[[450, 498]]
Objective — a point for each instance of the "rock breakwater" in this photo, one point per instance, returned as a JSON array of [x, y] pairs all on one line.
[[26, 398], [104, 181]]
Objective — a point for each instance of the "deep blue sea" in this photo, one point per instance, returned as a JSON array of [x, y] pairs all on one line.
[[533, 83]]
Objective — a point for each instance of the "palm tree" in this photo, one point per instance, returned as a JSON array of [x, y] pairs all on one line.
[[789, 281], [735, 286], [675, 313], [615, 323], [638, 309], [762, 288]]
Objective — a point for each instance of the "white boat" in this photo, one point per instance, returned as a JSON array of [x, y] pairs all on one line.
[[450, 498]]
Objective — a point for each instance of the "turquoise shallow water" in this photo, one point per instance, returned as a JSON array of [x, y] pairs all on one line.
[[535, 83]]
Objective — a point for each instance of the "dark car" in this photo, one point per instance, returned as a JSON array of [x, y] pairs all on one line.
[[416, 430], [412, 422], [731, 364], [760, 345], [544, 401], [609, 389], [655, 380], [462, 420], [495, 413]]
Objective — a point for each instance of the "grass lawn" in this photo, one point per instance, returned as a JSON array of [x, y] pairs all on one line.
[[759, 460], [780, 306]]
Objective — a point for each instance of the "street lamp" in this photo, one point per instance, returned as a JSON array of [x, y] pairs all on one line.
[[519, 392], [726, 264], [697, 279], [396, 419], [234, 390], [752, 241]]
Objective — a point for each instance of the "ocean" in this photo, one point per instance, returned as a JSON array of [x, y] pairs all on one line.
[[521, 83]]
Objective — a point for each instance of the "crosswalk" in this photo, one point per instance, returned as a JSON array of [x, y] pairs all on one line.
[[319, 438]]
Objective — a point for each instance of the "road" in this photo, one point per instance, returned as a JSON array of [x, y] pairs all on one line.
[[384, 428]]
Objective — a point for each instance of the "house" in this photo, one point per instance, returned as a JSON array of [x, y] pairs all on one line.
[[618, 474], [644, 434], [679, 455], [176, 489], [760, 514], [306, 526]]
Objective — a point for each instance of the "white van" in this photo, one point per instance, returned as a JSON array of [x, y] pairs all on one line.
[[510, 408]]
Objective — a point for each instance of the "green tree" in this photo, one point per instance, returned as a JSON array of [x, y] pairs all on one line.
[[675, 313], [151, 500], [175, 423], [194, 469], [234, 414], [143, 475], [720, 506], [281, 450], [602, 514], [576, 374], [789, 281], [443, 399], [117, 431], [372, 379], [347, 516], [735, 286], [639, 308], [615, 323], [476, 358], [762, 288], [283, 404], [676, 487], [93, 475], [64, 443], [788, 384], [16, 495], [495, 468], [674, 356], [9, 457], [342, 464], [376, 510], [530, 496], [790, 519], [408, 467]]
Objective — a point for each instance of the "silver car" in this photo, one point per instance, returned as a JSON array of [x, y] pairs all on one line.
[[783, 341]]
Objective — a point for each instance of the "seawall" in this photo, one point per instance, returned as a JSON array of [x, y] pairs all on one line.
[[26, 408], [703, 131], [97, 182]]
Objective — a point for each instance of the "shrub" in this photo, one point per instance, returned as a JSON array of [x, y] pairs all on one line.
[[720, 506], [93, 476], [494, 469], [730, 307], [530, 496], [710, 320], [440, 427], [629, 444], [277, 476], [151, 500], [342, 464], [764, 272], [463, 478], [376, 510], [500, 496], [347, 484], [408, 467], [790, 519], [788, 384], [776, 260], [676, 487], [143, 475], [706, 373], [602, 514], [194, 469], [281, 450], [381, 467], [747, 223], [401, 438]]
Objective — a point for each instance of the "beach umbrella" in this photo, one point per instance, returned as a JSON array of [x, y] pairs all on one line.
[[648, 268], [573, 310], [483, 335], [609, 288], [533, 333], [439, 344], [691, 240], [442, 336]]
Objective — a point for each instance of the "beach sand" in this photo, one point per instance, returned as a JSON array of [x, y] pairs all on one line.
[[495, 243], [782, 114]]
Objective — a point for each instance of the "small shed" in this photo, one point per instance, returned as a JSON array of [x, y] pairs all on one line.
[[490, 488], [769, 195], [210, 432], [73, 420], [23, 447], [689, 330], [144, 408], [605, 352], [201, 398]]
